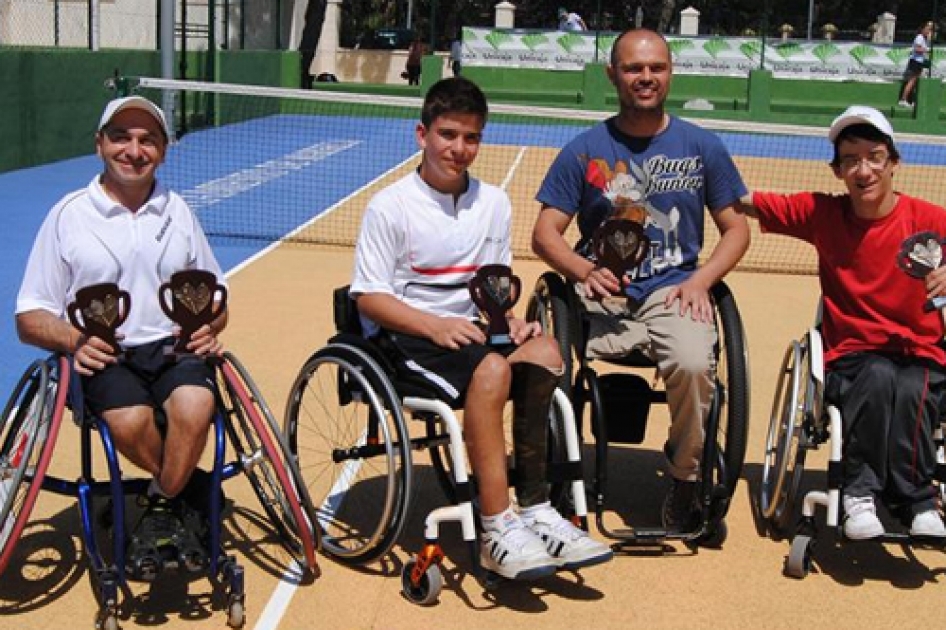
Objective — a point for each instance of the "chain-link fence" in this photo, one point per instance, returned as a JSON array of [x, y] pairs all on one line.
[[135, 24]]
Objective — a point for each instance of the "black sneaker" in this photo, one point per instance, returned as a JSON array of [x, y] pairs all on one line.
[[196, 493], [681, 511], [191, 539], [152, 542]]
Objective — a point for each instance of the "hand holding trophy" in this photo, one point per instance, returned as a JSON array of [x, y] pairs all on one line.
[[98, 310], [620, 245], [494, 289], [191, 303], [919, 255]]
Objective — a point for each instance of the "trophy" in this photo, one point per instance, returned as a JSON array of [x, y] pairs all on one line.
[[99, 310], [620, 245], [191, 302], [919, 255], [495, 290]]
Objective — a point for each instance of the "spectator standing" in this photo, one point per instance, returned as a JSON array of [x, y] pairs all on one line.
[[919, 59], [414, 55], [456, 55], [570, 21]]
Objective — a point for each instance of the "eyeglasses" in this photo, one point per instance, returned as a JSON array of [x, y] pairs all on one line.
[[875, 162]]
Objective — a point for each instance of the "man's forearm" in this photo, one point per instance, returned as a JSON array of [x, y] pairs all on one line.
[[44, 330]]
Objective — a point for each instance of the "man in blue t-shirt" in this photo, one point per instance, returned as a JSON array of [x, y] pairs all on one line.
[[660, 171]]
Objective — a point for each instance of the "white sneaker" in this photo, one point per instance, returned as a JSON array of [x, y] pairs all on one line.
[[515, 552], [571, 547], [928, 524], [862, 522], [904, 104]]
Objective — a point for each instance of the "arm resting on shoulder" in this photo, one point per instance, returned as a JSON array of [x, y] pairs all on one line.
[[746, 207], [732, 245]]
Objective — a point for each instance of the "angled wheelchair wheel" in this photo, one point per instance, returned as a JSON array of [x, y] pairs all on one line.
[[785, 449], [267, 461], [550, 305], [559, 484], [30, 425], [732, 392], [345, 426]]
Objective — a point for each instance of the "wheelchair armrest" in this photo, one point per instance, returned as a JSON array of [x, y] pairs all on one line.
[[345, 311]]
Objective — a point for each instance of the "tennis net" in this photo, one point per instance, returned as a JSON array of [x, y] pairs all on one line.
[[296, 166]]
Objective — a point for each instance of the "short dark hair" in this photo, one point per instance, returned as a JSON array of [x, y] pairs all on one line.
[[633, 29], [867, 132], [455, 95]]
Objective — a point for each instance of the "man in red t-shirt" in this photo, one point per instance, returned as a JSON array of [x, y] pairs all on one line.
[[885, 362]]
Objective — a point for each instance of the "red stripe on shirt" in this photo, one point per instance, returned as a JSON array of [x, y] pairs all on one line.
[[442, 271]]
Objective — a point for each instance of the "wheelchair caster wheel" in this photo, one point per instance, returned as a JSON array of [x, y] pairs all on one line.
[[236, 613], [427, 591], [798, 563], [106, 620], [716, 534]]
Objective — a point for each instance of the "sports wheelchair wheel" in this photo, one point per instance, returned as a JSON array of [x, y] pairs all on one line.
[[345, 425], [30, 424], [549, 305], [731, 401], [267, 461], [793, 409]]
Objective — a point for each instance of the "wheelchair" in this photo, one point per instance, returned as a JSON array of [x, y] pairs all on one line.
[[619, 403], [31, 422], [346, 423], [803, 420]]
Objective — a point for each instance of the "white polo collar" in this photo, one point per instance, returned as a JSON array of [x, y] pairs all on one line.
[[106, 206]]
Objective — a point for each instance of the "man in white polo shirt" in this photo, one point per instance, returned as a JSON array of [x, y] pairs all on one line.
[[126, 228]]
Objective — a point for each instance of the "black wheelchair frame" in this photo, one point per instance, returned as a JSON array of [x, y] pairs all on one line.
[[555, 304]]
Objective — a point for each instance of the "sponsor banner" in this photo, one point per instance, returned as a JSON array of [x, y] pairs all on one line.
[[721, 56]]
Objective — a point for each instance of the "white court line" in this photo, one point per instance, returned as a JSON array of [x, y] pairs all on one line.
[[223, 188], [512, 169], [278, 603], [324, 213]]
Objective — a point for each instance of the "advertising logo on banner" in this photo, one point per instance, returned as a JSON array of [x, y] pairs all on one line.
[[722, 56]]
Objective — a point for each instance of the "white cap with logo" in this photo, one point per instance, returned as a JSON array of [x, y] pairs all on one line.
[[860, 115], [134, 102]]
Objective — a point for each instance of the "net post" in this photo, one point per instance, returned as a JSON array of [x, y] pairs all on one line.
[[595, 86], [431, 71], [760, 93]]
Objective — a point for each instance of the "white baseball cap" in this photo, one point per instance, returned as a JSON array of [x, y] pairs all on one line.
[[860, 115], [134, 102]]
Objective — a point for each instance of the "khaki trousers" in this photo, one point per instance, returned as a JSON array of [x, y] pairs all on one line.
[[683, 350]]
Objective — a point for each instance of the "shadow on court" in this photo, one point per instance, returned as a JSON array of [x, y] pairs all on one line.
[[848, 563], [49, 561]]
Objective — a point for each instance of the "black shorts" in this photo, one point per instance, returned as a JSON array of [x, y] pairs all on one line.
[[144, 376], [914, 68], [448, 371]]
